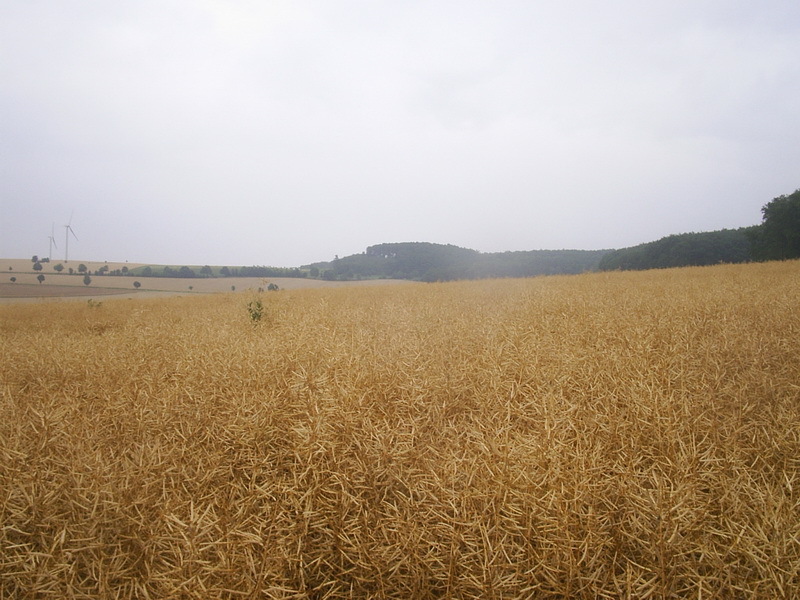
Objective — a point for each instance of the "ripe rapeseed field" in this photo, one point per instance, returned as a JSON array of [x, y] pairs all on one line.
[[612, 435]]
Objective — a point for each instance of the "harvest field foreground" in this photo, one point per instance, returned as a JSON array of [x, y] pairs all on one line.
[[614, 435]]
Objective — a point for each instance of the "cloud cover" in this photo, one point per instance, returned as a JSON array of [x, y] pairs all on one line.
[[284, 132]]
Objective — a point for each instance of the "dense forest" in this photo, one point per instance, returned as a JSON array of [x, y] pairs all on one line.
[[683, 250], [776, 238], [423, 261]]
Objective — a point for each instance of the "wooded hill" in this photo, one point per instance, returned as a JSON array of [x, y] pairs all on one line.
[[424, 261], [776, 238]]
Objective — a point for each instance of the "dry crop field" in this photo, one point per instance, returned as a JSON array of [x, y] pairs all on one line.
[[615, 435]]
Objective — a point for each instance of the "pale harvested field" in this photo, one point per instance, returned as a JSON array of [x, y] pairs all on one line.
[[617, 435], [63, 286]]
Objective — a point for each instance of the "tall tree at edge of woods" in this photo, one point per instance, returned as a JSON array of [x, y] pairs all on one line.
[[779, 237]]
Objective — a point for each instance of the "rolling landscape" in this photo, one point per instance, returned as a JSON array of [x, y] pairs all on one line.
[[399, 300], [415, 421]]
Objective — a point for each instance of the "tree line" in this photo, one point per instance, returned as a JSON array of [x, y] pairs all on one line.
[[776, 238], [185, 272]]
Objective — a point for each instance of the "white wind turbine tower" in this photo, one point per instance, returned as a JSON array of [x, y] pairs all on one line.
[[69, 230], [52, 241]]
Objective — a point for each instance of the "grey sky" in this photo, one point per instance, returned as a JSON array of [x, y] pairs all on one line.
[[285, 132]]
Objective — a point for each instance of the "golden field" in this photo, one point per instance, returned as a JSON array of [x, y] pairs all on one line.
[[614, 435]]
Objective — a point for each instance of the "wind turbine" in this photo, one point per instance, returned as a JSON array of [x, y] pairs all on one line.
[[52, 241], [69, 230]]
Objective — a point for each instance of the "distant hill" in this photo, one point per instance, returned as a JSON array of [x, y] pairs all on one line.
[[424, 261]]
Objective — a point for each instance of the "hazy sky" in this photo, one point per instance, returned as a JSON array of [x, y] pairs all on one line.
[[276, 132]]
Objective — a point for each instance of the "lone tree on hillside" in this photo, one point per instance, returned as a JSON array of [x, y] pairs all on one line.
[[86, 279], [137, 285], [59, 267], [37, 266], [780, 231], [40, 277]]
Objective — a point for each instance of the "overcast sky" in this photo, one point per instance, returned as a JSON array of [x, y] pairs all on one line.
[[271, 132]]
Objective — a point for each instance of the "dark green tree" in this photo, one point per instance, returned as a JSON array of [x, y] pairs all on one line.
[[59, 267], [86, 279], [137, 285], [37, 266], [206, 271], [82, 268], [40, 277], [779, 237], [13, 280]]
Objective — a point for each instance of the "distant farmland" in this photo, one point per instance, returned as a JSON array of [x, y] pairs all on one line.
[[64, 285], [609, 435]]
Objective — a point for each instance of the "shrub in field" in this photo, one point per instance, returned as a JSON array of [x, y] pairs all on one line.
[[255, 310], [611, 435]]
